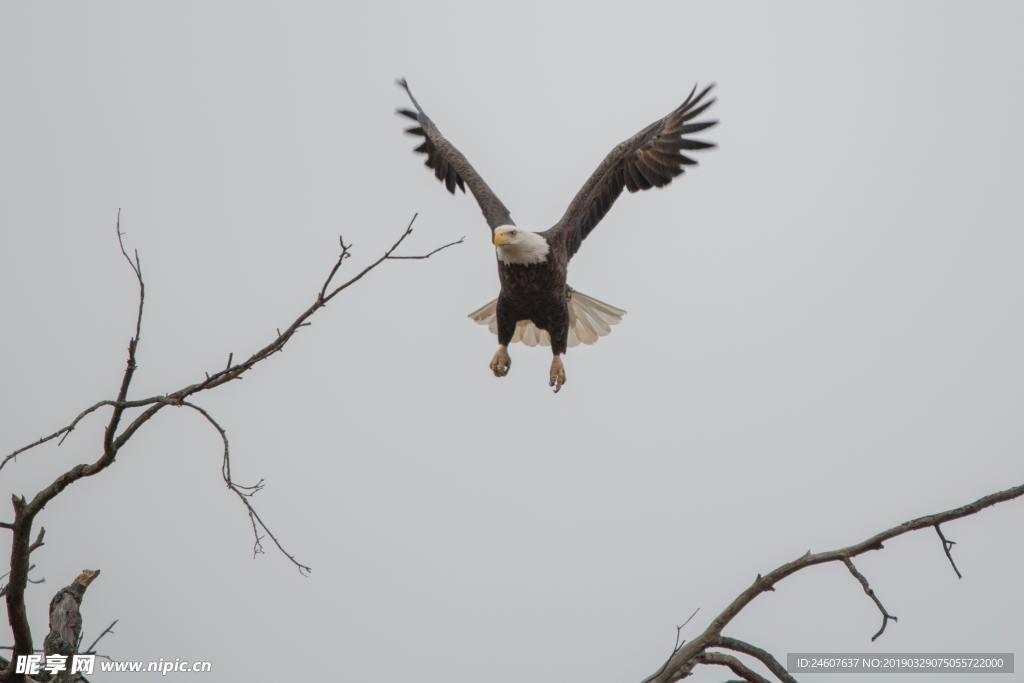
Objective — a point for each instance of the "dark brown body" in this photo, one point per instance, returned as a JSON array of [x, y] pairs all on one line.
[[536, 292]]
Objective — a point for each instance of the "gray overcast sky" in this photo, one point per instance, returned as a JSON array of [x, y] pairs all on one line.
[[824, 332]]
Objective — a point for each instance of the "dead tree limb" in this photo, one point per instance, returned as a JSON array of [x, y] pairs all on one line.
[[683, 660], [738, 667], [123, 423], [759, 654], [66, 621]]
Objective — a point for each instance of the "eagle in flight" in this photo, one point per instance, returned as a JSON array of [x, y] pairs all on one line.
[[536, 304]]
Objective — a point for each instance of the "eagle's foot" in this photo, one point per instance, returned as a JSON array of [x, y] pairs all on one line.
[[501, 362], [557, 375]]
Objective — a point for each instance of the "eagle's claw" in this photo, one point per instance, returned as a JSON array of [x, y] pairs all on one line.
[[501, 362], [557, 375]]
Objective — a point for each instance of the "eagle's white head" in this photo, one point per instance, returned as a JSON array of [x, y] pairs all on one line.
[[520, 247]]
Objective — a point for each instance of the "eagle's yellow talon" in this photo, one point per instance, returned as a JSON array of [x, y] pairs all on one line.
[[501, 362]]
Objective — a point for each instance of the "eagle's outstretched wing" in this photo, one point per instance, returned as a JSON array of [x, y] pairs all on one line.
[[450, 167], [651, 158]]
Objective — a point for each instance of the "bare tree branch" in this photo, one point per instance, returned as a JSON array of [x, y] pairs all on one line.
[[234, 371], [682, 662], [763, 656], [680, 627], [738, 667], [115, 436]]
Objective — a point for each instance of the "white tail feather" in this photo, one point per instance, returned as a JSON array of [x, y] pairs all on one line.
[[589, 320]]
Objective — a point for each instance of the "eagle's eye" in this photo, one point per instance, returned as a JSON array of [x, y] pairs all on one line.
[[512, 233]]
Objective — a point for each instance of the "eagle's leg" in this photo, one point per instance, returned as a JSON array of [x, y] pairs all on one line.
[[559, 340], [557, 374], [501, 362], [506, 330]]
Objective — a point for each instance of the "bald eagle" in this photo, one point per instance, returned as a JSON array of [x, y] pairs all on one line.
[[536, 304]]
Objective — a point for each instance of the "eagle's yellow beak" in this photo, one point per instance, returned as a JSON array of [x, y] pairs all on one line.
[[501, 239]]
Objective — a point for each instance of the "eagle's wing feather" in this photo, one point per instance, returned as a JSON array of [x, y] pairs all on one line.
[[450, 166], [651, 158]]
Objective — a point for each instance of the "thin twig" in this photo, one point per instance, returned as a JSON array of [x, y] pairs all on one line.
[[63, 432], [91, 650], [245, 492], [871, 594], [431, 253], [38, 543], [679, 643], [345, 253], [947, 547]]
